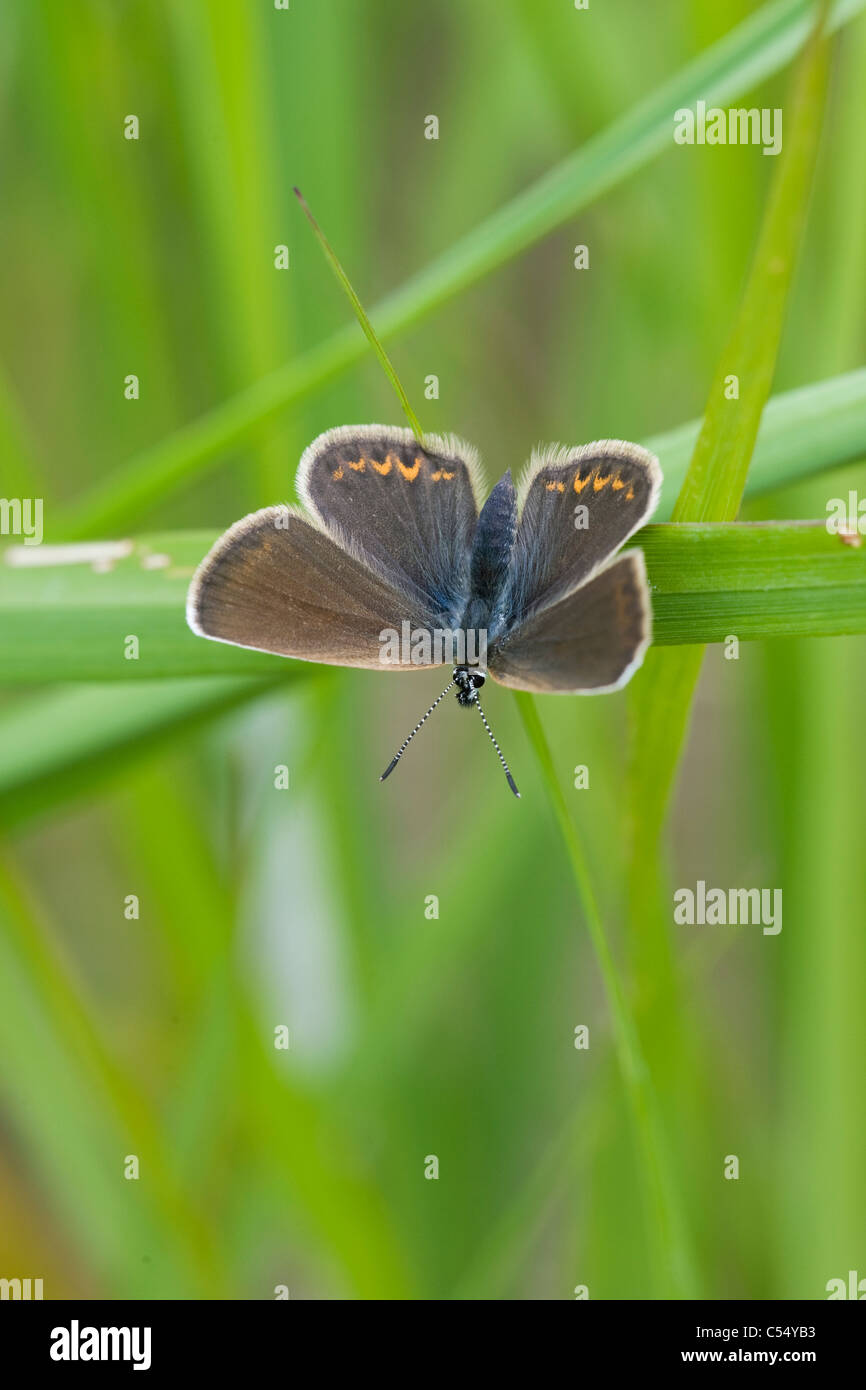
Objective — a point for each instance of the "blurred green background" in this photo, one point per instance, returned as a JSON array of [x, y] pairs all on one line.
[[410, 1036]]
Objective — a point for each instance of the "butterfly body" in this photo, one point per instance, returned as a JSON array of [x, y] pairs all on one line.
[[490, 560]]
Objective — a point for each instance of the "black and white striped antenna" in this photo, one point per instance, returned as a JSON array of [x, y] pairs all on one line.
[[505, 767], [469, 697], [405, 744]]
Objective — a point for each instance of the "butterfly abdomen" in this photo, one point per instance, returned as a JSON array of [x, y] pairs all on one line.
[[491, 552]]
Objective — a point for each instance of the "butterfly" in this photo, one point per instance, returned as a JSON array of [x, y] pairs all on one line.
[[393, 552]]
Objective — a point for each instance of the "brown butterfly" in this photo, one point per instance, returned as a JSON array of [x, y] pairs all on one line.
[[393, 553]]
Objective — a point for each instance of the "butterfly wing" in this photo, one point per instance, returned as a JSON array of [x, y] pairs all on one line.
[[578, 508], [407, 512], [586, 643], [277, 583]]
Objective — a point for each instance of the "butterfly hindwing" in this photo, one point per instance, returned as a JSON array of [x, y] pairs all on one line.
[[277, 583], [408, 511], [578, 507], [588, 642]]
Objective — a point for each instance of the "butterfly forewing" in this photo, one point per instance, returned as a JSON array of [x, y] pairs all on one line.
[[408, 511], [578, 508], [276, 583]]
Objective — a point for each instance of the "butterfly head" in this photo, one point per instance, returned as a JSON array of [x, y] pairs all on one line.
[[469, 681]]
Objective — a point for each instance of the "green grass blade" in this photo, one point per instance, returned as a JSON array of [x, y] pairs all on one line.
[[219, 62], [802, 432], [812, 428], [714, 484], [760, 46], [675, 1267], [361, 315], [755, 580], [59, 743], [99, 1111], [661, 696]]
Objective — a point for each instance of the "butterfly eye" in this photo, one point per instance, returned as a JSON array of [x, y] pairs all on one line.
[[477, 681]]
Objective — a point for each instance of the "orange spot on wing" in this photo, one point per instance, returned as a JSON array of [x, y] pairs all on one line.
[[440, 474], [359, 465], [617, 483], [600, 482], [555, 487], [338, 474], [383, 468], [410, 473], [580, 483], [629, 497]]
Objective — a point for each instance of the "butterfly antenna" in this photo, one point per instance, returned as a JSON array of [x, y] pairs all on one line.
[[405, 744], [505, 767]]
